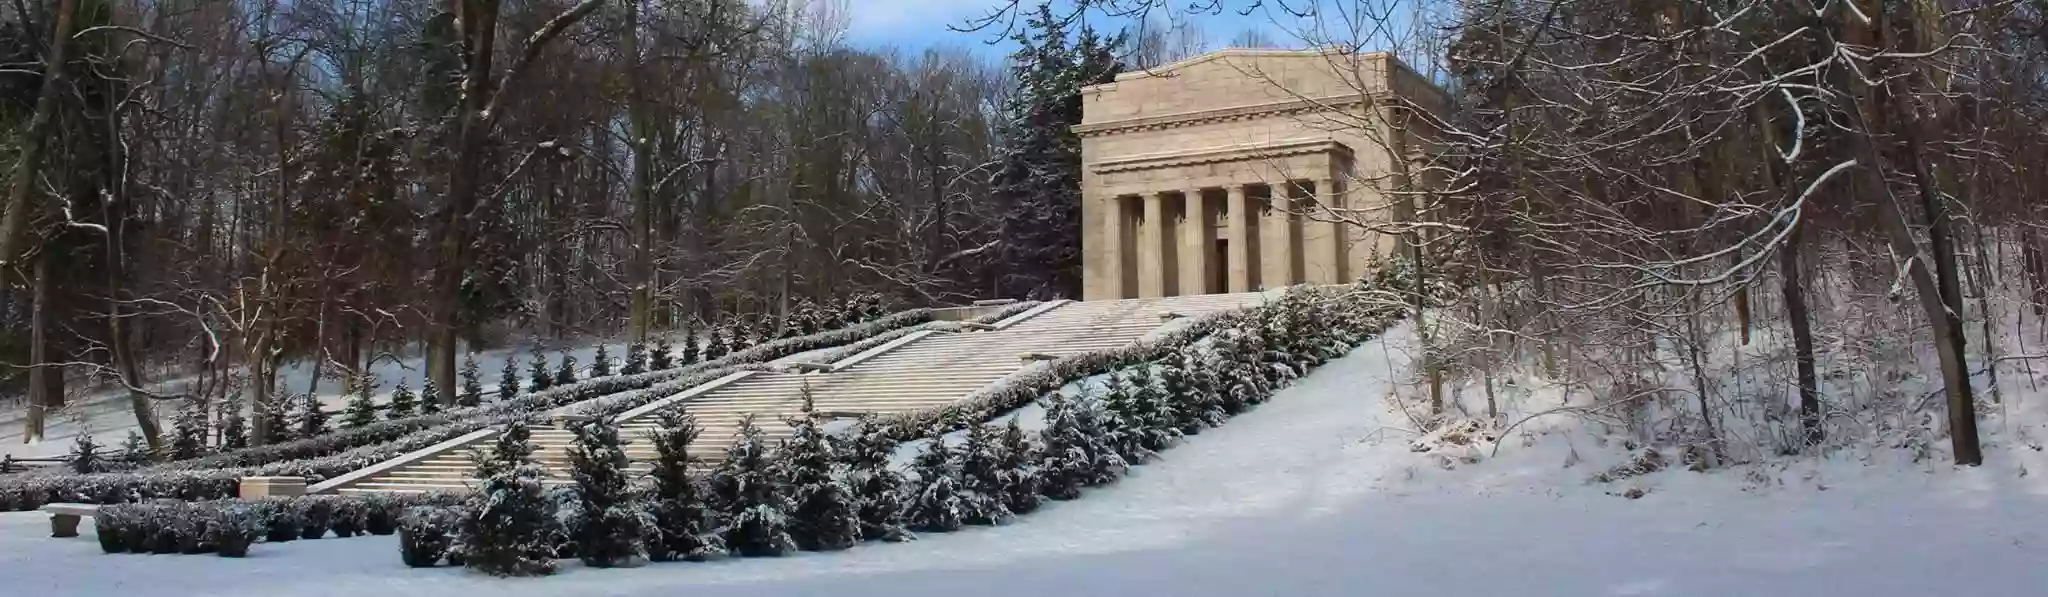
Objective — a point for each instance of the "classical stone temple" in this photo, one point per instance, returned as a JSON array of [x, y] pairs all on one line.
[[1226, 172]]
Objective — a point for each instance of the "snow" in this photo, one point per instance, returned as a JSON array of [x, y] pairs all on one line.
[[1314, 493]]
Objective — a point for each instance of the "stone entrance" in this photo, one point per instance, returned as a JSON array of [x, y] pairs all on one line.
[[1227, 172]]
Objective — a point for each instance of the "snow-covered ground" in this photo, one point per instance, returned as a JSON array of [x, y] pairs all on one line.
[[1315, 493]]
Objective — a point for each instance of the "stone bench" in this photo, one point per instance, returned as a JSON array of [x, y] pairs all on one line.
[[64, 517]]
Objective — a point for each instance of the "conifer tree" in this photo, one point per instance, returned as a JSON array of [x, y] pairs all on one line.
[[877, 485], [360, 410], [84, 457], [748, 494], [1076, 453], [508, 380], [312, 420], [1190, 387], [984, 498], [609, 526], [278, 422], [1019, 468], [1122, 421], [935, 503], [826, 515], [686, 524], [601, 363], [661, 356], [537, 371], [636, 359], [234, 430], [1153, 417], [135, 450], [690, 352], [715, 343], [511, 516], [188, 433], [403, 402], [566, 373], [430, 398], [1236, 373], [472, 385]]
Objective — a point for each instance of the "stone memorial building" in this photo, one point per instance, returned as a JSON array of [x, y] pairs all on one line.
[[1222, 172]]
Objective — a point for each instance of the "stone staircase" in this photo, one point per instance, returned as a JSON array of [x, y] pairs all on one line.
[[922, 370]]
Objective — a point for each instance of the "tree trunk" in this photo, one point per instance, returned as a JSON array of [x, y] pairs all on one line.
[[41, 398], [642, 271], [14, 224], [479, 22], [1794, 289]]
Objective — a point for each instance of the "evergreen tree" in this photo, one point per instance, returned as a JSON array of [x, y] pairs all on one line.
[[690, 352], [511, 516], [234, 430], [636, 359], [134, 450], [601, 363], [1236, 373], [1037, 187], [984, 499], [877, 485], [609, 528], [747, 493], [537, 372], [566, 373], [1122, 423], [1076, 453], [1019, 468], [274, 411], [508, 380], [1153, 418], [714, 343], [662, 356], [472, 385], [312, 420], [685, 522], [188, 432], [360, 410], [430, 398], [826, 515], [403, 402], [85, 457], [935, 504], [1190, 388]]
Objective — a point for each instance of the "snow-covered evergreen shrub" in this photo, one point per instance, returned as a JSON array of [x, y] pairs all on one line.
[[84, 457], [281, 520], [508, 381], [403, 402], [610, 525], [1017, 469], [430, 401], [426, 534], [315, 514], [537, 372], [877, 486], [472, 385], [984, 492], [1190, 388], [312, 420], [565, 373], [112, 525], [826, 514], [274, 412], [935, 503], [350, 517], [1153, 417], [511, 514], [662, 354], [360, 411], [746, 490], [135, 450], [188, 432], [231, 528], [636, 359], [684, 522], [690, 351], [601, 363]]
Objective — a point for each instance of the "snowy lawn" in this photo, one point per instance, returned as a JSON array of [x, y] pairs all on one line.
[[1308, 495]]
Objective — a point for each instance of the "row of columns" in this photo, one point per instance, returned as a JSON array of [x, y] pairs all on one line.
[[1271, 241]]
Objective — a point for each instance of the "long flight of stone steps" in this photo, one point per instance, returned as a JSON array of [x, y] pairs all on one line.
[[923, 370]]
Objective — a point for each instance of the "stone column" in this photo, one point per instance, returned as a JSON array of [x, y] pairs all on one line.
[[1279, 243], [1244, 243], [1154, 270], [1117, 240], [1332, 245], [1197, 245]]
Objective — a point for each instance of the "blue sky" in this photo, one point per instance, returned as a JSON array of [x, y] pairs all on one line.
[[918, 24]]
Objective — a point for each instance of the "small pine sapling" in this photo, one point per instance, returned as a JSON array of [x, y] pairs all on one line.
[[537, 372], [511, 512], [686, 524], [1154, 418], [566, 373], [430, 398], [877, 486], [825, 515], [1106, 461], [234, 430], [403, 402], [508, 380], [690, 352], [983, 498], [1019, 469], [749, 494], [1191, 387], [360, 410], [636, 359], [276, 421], [188, 433], [85, 456], [662, 355], [134, 450], [312, 420], [472, 385], [601, 363], [609, 527], [935, 504], [1122, 423], [714, 343]]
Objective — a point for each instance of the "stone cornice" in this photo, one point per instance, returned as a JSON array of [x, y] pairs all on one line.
[[1214, 155], [1231, 114]]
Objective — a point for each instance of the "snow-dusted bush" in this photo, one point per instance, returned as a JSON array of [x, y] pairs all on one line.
[[877, 486], [610, 525], [935, 504], [984, 492], [683, 522], [825, 515], [506, 535], [426, 534], [747, 492]]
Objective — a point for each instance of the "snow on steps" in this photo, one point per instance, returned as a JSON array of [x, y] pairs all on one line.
[[919, 371]]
